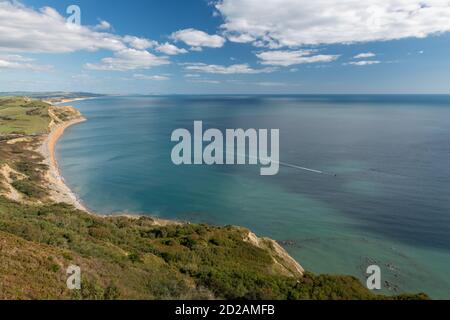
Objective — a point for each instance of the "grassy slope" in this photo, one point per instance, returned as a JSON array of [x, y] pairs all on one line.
[[135, 258], [23, 121], [23, 116]]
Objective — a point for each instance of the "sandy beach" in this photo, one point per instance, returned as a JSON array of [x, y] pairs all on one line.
[[56, 101], [59, 191]]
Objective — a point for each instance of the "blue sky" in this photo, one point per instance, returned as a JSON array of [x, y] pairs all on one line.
[[226, 46]]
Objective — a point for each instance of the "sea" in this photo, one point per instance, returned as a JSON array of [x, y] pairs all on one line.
[[384, 197]]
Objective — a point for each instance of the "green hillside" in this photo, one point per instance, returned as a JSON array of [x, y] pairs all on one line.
[[23, 116], [137, 259]]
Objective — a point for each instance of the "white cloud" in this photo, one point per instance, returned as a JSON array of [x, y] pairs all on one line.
[[103, 25], [207, 81], [197, 38], [24, 29], [365, 55], [196, 49], [364, 62], [14, 61], [153, 78], [139, 43], [271, 84], [240, 38], [15, 57], [289, 58], [218, 69], [293, 23], [191, 75], [170, 49], [143, 44], [129, 59]]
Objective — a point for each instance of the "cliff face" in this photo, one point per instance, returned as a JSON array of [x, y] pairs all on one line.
[[283, 262], [63, 114], [23, 122], [28, 135]]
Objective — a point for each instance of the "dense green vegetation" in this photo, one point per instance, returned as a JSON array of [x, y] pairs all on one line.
[[123, 257], [130, 257], [22, 127], [19, 155]]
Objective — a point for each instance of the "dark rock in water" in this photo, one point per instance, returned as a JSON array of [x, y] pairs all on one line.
[[288, 243], [390, 286]]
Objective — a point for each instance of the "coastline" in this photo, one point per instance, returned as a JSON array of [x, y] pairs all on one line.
[[59, 191], [55, 102]]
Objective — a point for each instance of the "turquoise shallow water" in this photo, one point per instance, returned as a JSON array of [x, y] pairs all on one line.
[[389, 203]]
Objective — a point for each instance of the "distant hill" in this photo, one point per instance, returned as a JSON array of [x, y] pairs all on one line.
[[52, 94]]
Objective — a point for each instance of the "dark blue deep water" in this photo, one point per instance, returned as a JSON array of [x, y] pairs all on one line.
[[389, 203]]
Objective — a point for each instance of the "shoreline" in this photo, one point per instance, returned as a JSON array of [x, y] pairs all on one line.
[[57, 102], [59, 191]]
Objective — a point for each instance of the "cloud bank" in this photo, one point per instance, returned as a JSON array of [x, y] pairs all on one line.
[[218, 69], [364, 55], [128, 59], [289, 58], [24, 29], [14, 61], [294, 23]]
